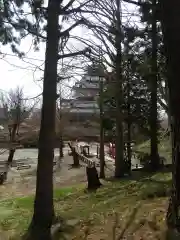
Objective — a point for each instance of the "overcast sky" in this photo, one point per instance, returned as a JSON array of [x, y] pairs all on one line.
[[16, 72], [26, 72]]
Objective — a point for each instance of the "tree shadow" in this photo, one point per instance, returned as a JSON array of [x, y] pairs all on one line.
[[136, 175], [148, 180], [171, 234], [139, 174], [143, 184], [60, 229], [72, 166], [127, 225]]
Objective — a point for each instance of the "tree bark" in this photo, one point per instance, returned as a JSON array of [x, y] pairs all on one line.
[[40, 227], [12, 150], [173, 215], [102, 160], [153, 112], [170, 20], [119, 158], [12, 140], [61, 154], [169, 111], [75, 156], [129, 152], [11, 156], [129, 122]]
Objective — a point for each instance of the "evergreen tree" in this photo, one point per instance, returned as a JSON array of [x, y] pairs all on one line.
[[170, 20], [149, 17], [15, 25], [56, 41]]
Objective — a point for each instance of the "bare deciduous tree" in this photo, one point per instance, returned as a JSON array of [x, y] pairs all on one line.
[[106, 26], [16, 110], [62, 121]]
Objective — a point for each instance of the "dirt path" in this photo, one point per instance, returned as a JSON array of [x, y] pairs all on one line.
[[21, 183]]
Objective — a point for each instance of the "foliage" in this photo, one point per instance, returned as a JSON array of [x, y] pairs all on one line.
[[139, 95], [136, 64], [146, 18], [15, 23]]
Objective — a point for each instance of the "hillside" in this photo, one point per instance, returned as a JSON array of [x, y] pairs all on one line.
[[164, 148], [130, 209]]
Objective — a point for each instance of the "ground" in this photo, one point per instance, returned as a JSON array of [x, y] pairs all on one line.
[[131, 209], [164, 148], [21, 183]]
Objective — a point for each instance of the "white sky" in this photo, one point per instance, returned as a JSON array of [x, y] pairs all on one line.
[[16, 72], [24, 72]]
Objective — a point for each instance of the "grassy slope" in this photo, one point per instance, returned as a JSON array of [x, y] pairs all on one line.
[[164, 148], [140, 204]]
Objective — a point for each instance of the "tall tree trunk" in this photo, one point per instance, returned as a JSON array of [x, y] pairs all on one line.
[[170, 13], [153, 111], [173, 215], [102, 160], [119, 158], [128, 126], [75, 156], [168, 112], [40, 227], [129, 122], [12, 141], [12, 135], [10, 157], [61, 154]]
